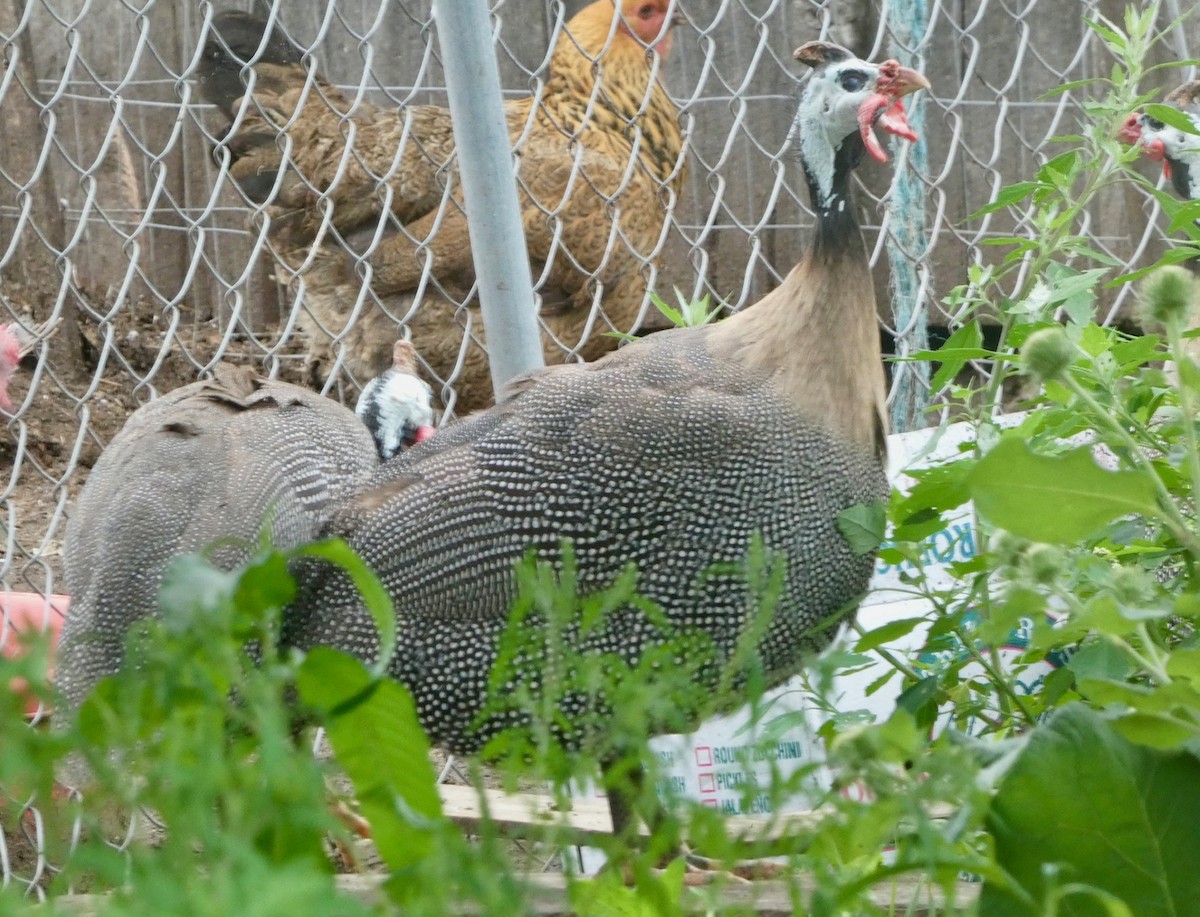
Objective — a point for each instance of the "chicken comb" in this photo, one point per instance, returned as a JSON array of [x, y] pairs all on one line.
[[819, 53]]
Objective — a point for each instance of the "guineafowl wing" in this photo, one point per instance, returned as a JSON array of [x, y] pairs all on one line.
[[656, 456]]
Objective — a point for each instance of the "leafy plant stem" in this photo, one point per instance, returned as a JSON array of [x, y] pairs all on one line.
[[891, 658], [1100, 170], [1187, 402], [1006, 693], [1169, 512]]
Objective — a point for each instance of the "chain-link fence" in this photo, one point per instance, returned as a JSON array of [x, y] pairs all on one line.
[[117, 221]]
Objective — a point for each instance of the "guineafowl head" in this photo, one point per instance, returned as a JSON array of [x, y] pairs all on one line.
[[1177, 150], [842, 103], [397, 405], [10, 358]]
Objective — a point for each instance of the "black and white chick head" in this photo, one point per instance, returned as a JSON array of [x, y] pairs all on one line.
[[1177, 150], [842, 103], [397, 405]]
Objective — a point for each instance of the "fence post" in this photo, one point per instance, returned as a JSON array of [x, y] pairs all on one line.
[[489, 188], [908, 21]]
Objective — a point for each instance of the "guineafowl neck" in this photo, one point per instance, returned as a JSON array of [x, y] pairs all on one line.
[[1182, 177], [816, 335]]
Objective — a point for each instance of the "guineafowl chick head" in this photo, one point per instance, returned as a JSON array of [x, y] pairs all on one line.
[[397, 405], [842, 103]]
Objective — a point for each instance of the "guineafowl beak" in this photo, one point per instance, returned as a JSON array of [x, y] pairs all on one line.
[[884, 108], [1131, 130]]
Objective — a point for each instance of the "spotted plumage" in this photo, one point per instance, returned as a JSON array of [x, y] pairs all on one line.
[[672, 454], [213, 460], [633, 461]]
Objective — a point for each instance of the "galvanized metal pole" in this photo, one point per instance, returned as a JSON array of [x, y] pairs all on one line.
[[486, 168]]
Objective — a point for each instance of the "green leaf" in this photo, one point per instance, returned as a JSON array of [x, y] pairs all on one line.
[[1058, 170], [1172, 117], [1155, 730], [608, 896], [266, 583], [921, 700], [886, 633], [937, 490], [1055, 499], [377, 600], [191, 585], [1066, 87], [1137, 351], [690, 312], [1099, 659], [373, 728], [967, 340], [863, 526], [1083, 805], [1112, 37], [1007, 196]]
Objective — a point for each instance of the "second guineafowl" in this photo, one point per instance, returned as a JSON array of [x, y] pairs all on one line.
[[214, 460], [397, 405], [673, 454], [16, 342]]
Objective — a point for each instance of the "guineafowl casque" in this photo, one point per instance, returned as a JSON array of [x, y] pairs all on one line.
[[213, 460], [673, 454]]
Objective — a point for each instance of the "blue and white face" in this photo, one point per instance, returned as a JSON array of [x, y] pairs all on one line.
[[846, 96], [1177, 150]]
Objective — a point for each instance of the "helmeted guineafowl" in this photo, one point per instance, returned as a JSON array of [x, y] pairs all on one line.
[[212, 460], [673, 454]]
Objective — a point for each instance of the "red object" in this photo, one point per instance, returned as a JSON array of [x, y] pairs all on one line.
[[10, 357], [29, 613], [1131, 130]]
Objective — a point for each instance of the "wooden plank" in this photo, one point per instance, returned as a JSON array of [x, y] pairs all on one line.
[[532, 814], [548, 897]]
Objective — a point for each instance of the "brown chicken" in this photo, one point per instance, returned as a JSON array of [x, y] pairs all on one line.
[[600, 164]]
